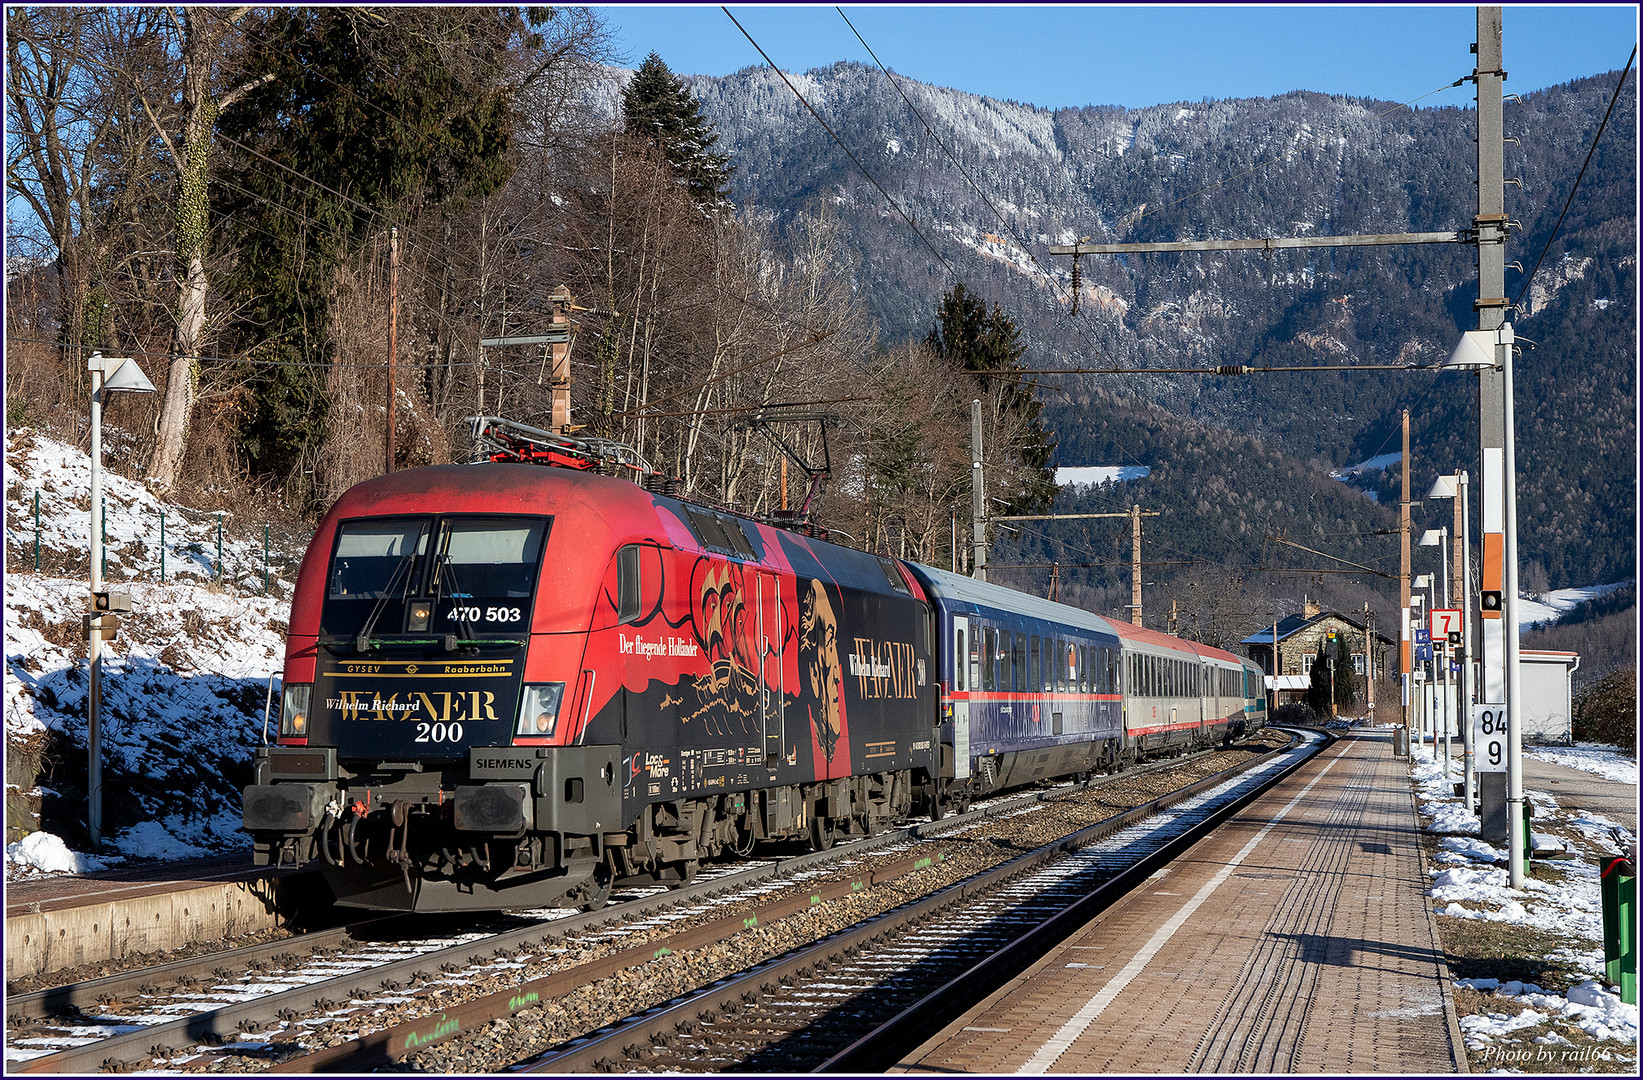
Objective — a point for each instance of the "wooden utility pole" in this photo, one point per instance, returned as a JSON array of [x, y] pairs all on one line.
[[1405, 632], [1369, 656], [1135, 565], [560, 350], [393, 339], [1135, 514], [978, 498]]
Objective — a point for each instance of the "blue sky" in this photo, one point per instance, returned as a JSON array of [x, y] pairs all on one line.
[[1069, 55]]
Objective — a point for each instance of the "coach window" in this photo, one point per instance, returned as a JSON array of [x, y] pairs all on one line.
[[975, 659], [958, 661], [1033, 683], [989, 659], [1018, 664]]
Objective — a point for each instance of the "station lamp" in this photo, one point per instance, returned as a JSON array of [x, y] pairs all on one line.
[[108, 374]]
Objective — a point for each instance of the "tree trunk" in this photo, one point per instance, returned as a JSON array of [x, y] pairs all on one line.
[[199, 40], [202, 32]]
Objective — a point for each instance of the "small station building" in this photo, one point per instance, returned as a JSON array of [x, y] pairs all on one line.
[[1285, 652]]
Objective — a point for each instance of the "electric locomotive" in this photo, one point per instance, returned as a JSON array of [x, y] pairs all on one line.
[[508, 685]]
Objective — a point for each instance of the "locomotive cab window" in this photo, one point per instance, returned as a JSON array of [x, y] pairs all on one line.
[[460, 575], [376, 559]]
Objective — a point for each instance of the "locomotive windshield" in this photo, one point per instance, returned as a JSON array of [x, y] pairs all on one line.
[[470, 576]]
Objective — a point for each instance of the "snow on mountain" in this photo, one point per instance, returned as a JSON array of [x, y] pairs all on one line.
[[1092, 475], [1374, 464], [1552, 606]]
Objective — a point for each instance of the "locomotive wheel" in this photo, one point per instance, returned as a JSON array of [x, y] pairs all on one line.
[[822, 833]]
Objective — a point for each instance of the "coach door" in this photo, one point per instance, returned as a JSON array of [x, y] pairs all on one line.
[[772, 700], [963, 674]]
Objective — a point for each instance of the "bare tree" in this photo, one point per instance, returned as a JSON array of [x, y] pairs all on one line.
[[186, 131]]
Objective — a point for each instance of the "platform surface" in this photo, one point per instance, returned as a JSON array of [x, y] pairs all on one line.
[[1297, 939]]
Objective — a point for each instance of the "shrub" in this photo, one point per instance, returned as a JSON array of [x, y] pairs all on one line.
[[1607, 711]]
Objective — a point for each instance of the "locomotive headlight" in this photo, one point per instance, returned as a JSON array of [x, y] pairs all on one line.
[[539, 710], [421, 612], [294, 710]]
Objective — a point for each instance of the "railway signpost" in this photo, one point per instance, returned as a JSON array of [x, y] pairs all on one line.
[[1491, 726]]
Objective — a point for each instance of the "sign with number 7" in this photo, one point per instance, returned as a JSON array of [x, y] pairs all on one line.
[[1445, 621]]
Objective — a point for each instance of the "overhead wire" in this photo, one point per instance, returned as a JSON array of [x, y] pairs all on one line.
[[997, 214], [960, 165], [1570, 200], [859, 167]]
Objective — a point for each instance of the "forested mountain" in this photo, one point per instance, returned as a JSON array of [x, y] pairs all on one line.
[[1299, 164], [287, 211]]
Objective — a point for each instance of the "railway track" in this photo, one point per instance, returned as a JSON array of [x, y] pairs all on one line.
[[855, 1001], [273, 1009]]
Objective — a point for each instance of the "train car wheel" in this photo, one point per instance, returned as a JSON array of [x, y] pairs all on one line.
[[822, 833]]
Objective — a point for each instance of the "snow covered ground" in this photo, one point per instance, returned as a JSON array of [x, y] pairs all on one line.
[[1470, 881], [1595, 758], [185, 681], [1374, 464]]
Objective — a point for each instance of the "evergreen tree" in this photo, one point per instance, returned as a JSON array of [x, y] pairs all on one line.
[[1346, 680], [974, 339], [1318, 693], [369, 111], [659, 108]]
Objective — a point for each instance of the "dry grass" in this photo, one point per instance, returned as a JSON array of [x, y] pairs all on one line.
[[1475, 949]]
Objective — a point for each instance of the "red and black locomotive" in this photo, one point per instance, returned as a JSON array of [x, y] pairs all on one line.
[[506, 683]]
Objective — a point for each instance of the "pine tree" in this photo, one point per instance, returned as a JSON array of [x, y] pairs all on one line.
[[1318, 693], [658, 107], [1346, 680], [974, 339]]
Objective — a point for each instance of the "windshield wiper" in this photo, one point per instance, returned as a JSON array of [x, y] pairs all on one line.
[[442, 566], [362, 642]]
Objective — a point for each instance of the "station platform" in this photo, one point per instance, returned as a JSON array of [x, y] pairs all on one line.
[[1297, 939], [59, 922]]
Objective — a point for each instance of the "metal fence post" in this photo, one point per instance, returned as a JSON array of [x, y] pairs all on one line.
[[37, 530], [102, 521], [265, 560], [219, 547], [162, 545]]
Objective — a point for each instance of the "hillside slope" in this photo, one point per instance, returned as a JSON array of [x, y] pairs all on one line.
[[1299, 164]]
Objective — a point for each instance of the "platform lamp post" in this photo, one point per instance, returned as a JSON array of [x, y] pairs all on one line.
[[1491, 350], [1417, 615], [1439, 539], [1455, 487], [108, 374]]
